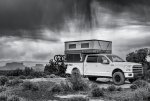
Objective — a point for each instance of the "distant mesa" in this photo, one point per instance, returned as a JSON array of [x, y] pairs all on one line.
[[13, 66], [38, 67], [20, 65]]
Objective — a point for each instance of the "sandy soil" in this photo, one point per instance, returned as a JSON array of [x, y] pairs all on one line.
[[104, 83]]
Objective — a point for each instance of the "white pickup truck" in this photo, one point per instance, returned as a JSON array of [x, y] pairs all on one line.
[[93, 59], [106, 65]]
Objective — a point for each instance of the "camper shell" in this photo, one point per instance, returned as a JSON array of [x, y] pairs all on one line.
[[75, 51]]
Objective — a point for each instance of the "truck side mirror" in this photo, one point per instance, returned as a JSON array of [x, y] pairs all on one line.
[[105, 62]]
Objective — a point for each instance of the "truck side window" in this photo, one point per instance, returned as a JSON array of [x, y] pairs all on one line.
[[73, 57], [92, 59], [101, 59]]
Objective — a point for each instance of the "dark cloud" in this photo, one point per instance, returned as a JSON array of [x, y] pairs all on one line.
[[29, 34], [138, 9], [27, 19], [24, 14], [30, 16], [33, 15]]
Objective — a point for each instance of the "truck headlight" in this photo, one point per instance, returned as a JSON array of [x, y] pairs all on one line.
[[128, 68]]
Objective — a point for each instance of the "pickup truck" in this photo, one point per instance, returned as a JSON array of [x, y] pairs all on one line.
[[106, 66]]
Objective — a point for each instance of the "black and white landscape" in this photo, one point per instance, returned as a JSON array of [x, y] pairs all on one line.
[[32, 32]]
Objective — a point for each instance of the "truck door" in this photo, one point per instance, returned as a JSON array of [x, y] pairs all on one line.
[[90, 65], [103, 66], [97, 66]]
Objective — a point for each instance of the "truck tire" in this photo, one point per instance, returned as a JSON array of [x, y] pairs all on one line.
[[118, 78], [132, 80], [92, 78]]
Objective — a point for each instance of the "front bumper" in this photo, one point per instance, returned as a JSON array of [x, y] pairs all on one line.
[[133, 75]]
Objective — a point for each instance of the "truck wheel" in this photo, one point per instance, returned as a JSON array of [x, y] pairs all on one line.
[[92, 78], [118, 78], [132, 80]]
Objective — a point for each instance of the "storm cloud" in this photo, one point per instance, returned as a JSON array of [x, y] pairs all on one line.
[[35, 14], [26, 18], [37, 29]]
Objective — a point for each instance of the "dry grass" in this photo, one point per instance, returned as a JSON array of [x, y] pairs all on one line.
[[97, 92], [41, 94], [75, 84], [141, 94]]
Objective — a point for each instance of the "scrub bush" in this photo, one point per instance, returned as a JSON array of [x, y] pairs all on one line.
[[30, 86], [66, 86], [62, 68], [35, 87], [140, 94], [119, 89], [94, 85], [22, 77], [97, 92], [56, 88], [78, 84], [3, 98], [3, 80], [11, 77], [111, 88], [52, 76], [133, 86], [37, 74], [30, 77], [141, 83], [14, 82], [27, 71], [54, 68], [2, 89], [13, 98]]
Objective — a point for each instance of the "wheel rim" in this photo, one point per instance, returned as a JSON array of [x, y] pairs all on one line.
[[117, 78]]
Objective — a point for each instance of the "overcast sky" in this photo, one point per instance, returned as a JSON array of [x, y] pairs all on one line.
[[37, 29]]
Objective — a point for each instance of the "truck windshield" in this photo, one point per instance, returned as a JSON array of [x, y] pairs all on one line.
[[115, 58]]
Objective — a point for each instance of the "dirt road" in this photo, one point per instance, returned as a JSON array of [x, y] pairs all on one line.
[[104, 83]]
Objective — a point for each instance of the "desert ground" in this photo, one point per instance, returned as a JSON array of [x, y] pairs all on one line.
[[74, 88]]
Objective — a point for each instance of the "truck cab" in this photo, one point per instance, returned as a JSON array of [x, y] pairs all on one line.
[[112, 66], [96, 63]]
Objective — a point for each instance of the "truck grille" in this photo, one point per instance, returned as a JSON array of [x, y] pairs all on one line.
[[137, 69]]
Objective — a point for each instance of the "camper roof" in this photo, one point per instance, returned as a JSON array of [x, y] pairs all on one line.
[[87, 40]]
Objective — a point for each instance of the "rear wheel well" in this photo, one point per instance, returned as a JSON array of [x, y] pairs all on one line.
[[117, 70], [75, 68]]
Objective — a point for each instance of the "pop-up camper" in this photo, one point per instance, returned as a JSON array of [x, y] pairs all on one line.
[[75, 51]]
